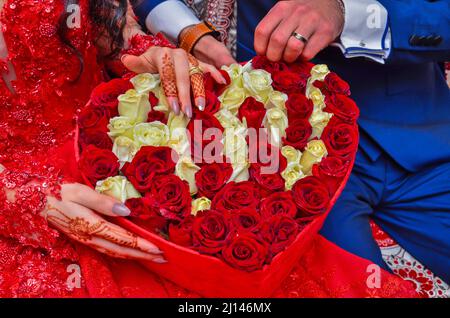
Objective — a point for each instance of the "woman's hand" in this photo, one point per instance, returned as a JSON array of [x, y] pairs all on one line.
[[180, 73], [74, 215]]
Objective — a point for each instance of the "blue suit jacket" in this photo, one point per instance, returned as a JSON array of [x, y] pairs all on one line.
[[405, 103]]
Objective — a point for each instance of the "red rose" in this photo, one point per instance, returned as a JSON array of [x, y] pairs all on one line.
[[212, 103], [268, 182], [95, 137], [170, 196], [262, 62], [212, 177], [212, 86], [279, 231], [333, 84], [106, 94], [149, 162], [140, 209], [299, 107], [246, 252], [267, 156], [301, 67], [311, 196], [235, 196], [181, 233], [246, 220], [98, 164], [298, 133], [343, 107], [201, 122], [253, 111], [340, 138], [278, 203], [96, 117], [332, 171], [156, 115], [210, 231], [289, 82], [154, 101]]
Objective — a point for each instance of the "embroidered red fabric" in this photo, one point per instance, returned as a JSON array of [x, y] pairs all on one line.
[[36, 147]]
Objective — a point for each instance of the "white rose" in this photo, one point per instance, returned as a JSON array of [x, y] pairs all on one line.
[[235, 145], [125, 149], [276, 122], [235, 72], [228, 120], [151, 134], [179, 140], [258, 84], [314, 152], [232, 98], [145, 82], [291, 154], [292, 174], [120, 126], [117, 187], [186, 170], [240, 172], [200, 204], [319, 120], [134, 105], [277, 99]]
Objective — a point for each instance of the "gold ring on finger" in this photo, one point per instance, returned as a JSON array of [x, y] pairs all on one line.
[[195, 70]]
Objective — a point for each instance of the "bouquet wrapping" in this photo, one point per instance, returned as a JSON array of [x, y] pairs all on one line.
[[234, 195]]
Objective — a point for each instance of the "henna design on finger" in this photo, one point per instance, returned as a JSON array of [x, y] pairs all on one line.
[[196, 75], [168, 77], [83, 230]]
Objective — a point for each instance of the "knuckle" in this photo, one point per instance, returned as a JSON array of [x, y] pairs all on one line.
[[261, 31], [180, 53], [308, 55], [277, 39]]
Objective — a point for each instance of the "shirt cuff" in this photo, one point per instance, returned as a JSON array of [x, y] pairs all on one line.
[[366, 31], [170, 18]]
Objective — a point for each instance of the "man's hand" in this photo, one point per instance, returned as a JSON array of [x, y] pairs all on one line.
[[319, 21], [211, 51]]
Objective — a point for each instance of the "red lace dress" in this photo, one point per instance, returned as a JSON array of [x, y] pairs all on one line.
[[37, 149]]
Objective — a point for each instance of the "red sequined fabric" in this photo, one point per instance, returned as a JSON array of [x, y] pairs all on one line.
[[36, 133]]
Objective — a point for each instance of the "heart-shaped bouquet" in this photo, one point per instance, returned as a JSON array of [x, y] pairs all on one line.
[[234, 195]]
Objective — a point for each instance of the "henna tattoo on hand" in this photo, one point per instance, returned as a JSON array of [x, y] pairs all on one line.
[[168, 77], [82, 230]]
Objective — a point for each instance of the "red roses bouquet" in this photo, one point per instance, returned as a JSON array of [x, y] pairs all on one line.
[[234, 195]]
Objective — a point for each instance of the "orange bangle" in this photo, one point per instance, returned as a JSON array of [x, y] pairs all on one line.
[[194, 34]]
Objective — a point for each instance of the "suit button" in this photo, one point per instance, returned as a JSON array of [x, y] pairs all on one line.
[[414, 40], [437, 40], [422, 40], [430, 40]]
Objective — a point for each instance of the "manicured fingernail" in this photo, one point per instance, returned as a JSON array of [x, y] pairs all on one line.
[[159, 260], [175, 107], [189, 111], [223, 80], [121, 210], [124, 57], [201, 102], [155, 250]]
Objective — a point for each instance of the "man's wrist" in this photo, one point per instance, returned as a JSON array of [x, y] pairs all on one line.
[[191, 35]]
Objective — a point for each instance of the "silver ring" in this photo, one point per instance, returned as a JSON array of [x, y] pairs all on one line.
[[299, 37]]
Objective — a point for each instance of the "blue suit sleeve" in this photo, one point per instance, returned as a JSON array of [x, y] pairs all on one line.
[[420, 30]]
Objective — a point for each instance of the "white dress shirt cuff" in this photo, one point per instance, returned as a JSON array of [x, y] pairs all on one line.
[[170, 18], [366, 31]]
